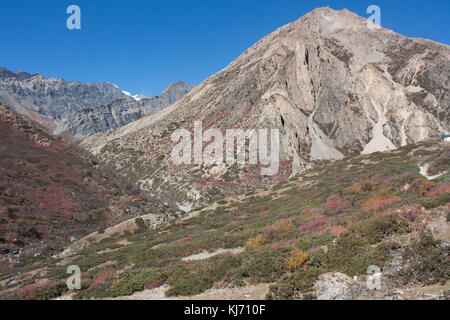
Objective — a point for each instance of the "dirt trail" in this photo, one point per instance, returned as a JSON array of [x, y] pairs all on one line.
[[253, 292], [424, 169], [207, 255]]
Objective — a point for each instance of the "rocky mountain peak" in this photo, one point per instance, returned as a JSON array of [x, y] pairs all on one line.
[[329, 83], [176, 90]]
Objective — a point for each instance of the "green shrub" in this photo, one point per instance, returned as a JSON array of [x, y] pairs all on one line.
[[196, 278], [50, 292], [352, 255], [265, 265], [437, 201], [137, 280], [131, 281], [297, 285], [374, 229], [427, 262]]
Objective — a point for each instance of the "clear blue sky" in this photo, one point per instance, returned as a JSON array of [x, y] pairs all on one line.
[[142, 45]]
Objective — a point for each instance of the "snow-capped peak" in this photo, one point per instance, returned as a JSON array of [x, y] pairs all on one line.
[[137, 97]]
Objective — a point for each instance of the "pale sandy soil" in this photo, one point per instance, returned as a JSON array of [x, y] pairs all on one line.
[[320, 143], [379, 142], [423, 171], [254, 292], [207, 255]]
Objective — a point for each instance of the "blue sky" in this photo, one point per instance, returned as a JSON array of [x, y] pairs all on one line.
[[143, 45]]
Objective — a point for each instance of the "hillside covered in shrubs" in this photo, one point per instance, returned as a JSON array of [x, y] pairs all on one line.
[[52, 193], [333, 220]]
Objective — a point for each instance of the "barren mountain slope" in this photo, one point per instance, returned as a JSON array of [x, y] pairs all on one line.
[[332, 85]]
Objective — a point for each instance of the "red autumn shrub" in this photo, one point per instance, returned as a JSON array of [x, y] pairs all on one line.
[[155, 284], [315, 210], [313, 224], [376, 204], [339, 205], [27, 292], [276, 246]]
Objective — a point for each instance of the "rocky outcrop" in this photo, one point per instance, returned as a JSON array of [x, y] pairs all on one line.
[[79, 108], [329, 83], [337, 286]]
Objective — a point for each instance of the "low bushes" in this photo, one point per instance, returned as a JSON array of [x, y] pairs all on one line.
[[425, 187], [191, 279], [313, 224], [352, 255], [297, 285], [297, 258], [437, 201], [433, 193], [440, 164], [264, 265], [285, 225], [131, 281], [428, 262], [354, 189], [377, 228], [381, 199]]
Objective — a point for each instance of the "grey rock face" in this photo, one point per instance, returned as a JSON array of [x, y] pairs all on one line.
[[120, 112], [79, 108], [53, 97], [337, 286]]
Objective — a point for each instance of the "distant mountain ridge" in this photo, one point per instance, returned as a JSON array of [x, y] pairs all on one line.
[[120, 112], [79, 108]]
